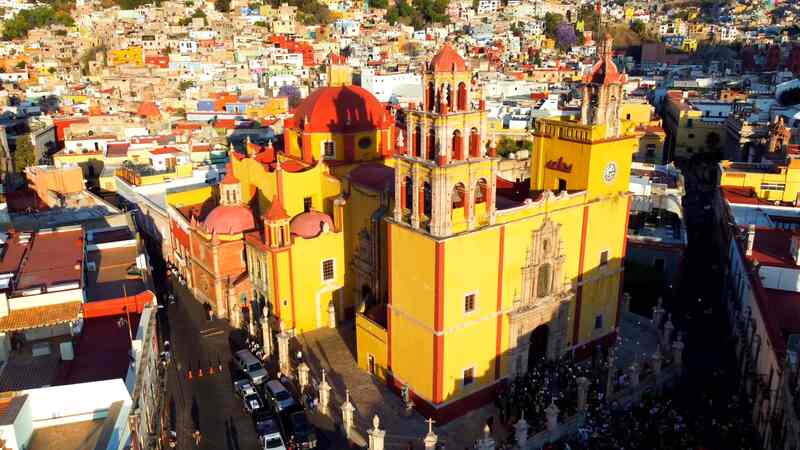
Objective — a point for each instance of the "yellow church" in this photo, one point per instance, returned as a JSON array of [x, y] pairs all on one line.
[[399, 221]]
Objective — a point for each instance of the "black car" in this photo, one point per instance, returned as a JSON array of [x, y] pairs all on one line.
[[299, 432], [268, 430]]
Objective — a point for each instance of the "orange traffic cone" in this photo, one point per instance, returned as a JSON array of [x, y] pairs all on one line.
[[211, 370], [200, 372], [189, 374]]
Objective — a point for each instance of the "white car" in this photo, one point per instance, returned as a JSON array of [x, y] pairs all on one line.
[[244, 388], [252, 403]]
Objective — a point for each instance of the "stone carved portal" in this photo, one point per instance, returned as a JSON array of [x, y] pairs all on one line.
[[539, 320]]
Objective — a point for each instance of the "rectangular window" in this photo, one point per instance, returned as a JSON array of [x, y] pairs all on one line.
[[598, 322], [562, 184], [371, 364], [604, 258], [469, 303], [327, 270], [689, 123], [307, 204], [651, 149], [773, 186], [329, 150], [469, 376]]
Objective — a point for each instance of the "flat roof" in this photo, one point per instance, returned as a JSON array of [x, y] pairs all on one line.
[[771, 247], [71, 436], [54, 257], [109, 279]]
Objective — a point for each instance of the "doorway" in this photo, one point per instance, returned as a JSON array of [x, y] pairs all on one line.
[[537, 350]]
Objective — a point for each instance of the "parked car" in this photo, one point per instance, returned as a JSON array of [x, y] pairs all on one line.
[[268, 430], [280, 397], [251, 366], [252, 403], [300, 433], [244, 387]]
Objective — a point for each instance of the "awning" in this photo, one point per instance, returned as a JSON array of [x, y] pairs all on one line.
[[41, 316]]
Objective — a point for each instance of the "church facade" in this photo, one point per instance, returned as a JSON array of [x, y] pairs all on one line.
[[399, 221]]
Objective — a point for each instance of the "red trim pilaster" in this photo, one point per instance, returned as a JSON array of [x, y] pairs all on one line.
[[579, 292], [307, 154], [438, 320], [499, 333], [622, 260]]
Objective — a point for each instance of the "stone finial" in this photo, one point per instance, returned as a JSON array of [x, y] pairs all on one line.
[[376, 422]]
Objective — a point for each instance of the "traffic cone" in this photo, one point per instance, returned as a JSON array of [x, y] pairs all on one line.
[[211, 370], [200, 372], [189, 374]]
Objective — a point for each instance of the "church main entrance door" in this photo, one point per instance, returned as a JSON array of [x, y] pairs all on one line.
[[537, 351]]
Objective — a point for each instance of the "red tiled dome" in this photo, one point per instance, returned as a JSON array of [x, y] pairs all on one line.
[[448, 60], [309, 224], [229, 220], [343, 109], [229, 178], [148, 109]]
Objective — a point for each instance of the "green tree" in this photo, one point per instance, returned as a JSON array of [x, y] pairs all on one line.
[[185, 84], [38, 17], [21, 65], [380, 4], [222, 5], [638, 27], [591, 21], [24, 154], [551, 22]]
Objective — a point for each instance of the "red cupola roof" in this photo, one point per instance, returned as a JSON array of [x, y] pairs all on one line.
[[448, 60], [229, 178], [229, 219], [276, 210], [148, 109], [604, 70], [310, 224], [341, 109]]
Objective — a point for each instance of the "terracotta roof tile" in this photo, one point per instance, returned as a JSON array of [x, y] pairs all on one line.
[[40, 316]]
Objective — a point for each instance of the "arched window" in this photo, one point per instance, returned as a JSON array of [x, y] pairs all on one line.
[[458, 146], [426, 196], [431, 147], [458, 196], [462, 96], [481, 191], [543, 280], [431, 97], [407, 194], [416, 142], [449, 97], [474, 143]]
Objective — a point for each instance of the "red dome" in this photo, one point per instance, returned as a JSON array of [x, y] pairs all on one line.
[[229, 220], [343, 109], [148, 109], [229, 178], [309, 224], [448, 60]]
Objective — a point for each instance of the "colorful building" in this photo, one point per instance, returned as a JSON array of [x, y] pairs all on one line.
[[455, 282]]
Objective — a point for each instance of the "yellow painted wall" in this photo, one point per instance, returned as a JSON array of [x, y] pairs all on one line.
[[413, 264], [371, 340], [130, 55], [636, 113], [189, 197], [767, 186], [311, 294], [318, 139]]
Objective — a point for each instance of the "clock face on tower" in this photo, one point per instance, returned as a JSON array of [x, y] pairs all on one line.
[[610, 172]]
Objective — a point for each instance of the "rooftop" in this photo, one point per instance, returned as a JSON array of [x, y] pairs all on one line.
[[54, 259], [72, 436], [771, 247], [114, 275]]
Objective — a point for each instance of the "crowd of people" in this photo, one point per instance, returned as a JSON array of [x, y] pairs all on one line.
[[549, 382]]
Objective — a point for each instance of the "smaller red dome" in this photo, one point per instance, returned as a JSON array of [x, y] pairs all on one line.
[[309, 225], [229, 220], [229, 178], [448, 60]]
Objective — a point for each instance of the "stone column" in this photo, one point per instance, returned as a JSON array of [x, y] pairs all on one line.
[[430, 439], [266, 333], [668, 328], [283, 351], [677, 351], [376, 435], [657, 360], [409, 141], [331, 315], [415, 206], [324, 394], [552, 418], [626, 302], [658, 313], [583, 388], [302, 376], [486, 443], [610, 376], [634, 371], [399, 180], [521, 431], [348, 415]]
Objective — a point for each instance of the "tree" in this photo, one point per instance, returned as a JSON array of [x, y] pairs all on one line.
[[588, 14], [21, 64], [380, 4], [185, 84], [222, 5], [565, 35], [411, 49], [638, 27], [38, 17], [24, 153], [291, 92], [551, 21]]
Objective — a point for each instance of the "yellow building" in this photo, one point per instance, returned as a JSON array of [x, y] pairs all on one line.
[[130, 55], [454, 281], [479, 261], [689, 131], [773, 182]]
